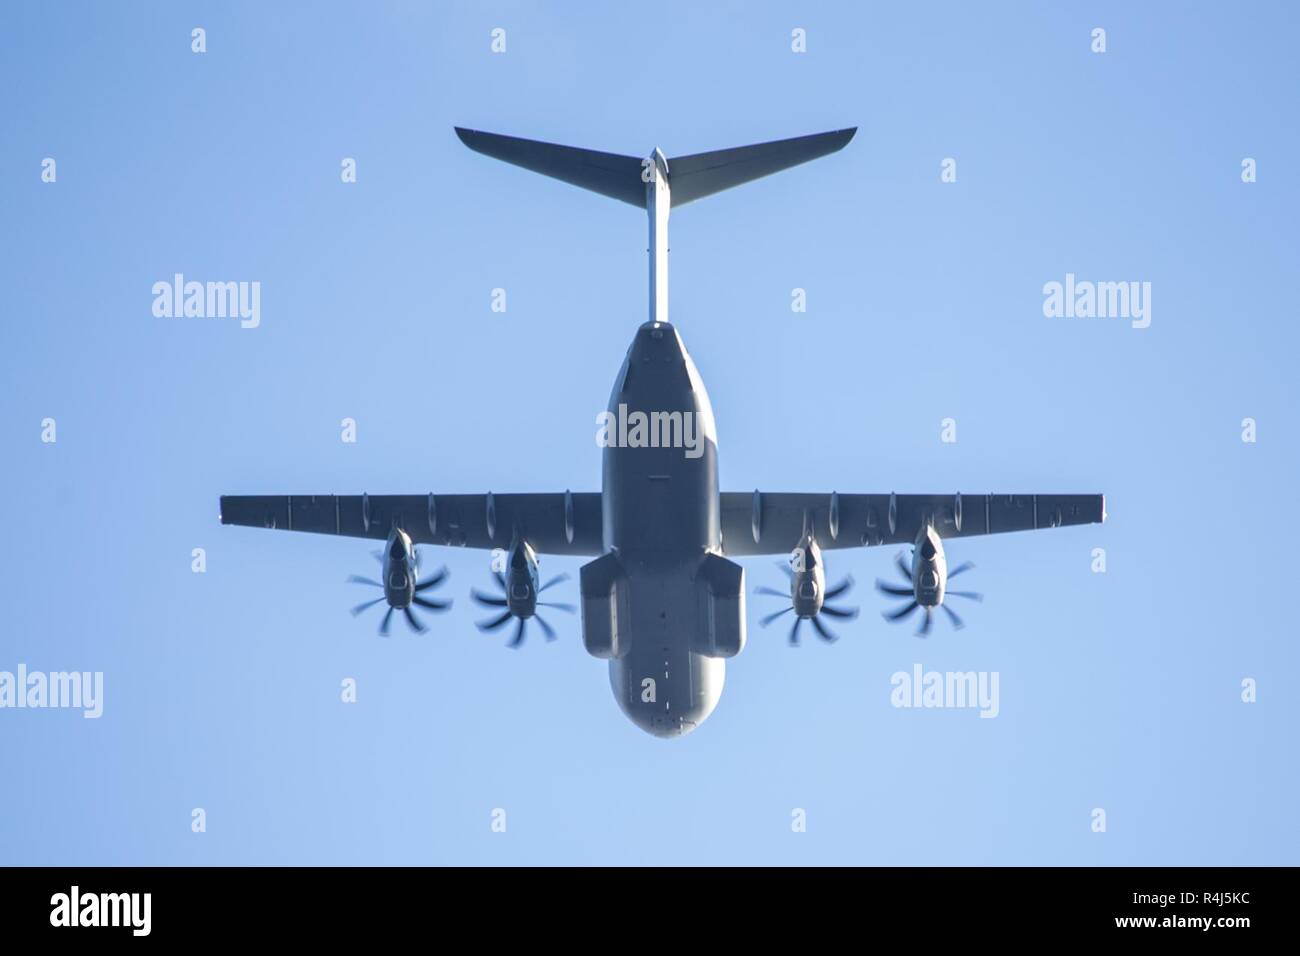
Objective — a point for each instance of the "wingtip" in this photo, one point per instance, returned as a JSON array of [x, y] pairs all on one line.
[[845, 136]]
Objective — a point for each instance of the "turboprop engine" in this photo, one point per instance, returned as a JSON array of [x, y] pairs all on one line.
[[927, 578], [520, 592], [400, 563], [808, 594]]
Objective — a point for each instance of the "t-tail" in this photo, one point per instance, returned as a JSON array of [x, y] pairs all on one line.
[[656, 183]]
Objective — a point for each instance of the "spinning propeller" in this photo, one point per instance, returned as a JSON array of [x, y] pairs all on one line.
[[523, 609], [934, 597], [400, 595], [807, 605]]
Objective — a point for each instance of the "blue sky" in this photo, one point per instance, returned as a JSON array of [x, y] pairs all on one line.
[[1118, 690]]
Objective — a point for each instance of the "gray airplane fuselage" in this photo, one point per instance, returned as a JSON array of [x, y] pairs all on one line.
[[661, 518]]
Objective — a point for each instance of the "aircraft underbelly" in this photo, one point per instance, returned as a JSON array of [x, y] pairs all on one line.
[[661, 520], [663, 683]]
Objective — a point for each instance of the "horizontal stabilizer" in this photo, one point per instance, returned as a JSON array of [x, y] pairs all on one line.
[[689, 177], [618, 177], [703, 174]]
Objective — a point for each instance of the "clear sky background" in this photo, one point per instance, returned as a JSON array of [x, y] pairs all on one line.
[[1118, 690]]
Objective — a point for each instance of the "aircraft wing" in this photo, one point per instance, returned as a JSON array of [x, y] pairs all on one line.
[[772, 523], [559, 523]]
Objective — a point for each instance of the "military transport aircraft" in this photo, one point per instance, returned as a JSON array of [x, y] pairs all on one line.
[[662, 599]]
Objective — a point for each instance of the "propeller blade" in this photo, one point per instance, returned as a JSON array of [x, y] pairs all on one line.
[[358, 579], [567, 608], [546, 628], [412, 620], [487, 600], [773, 592], [361, 607], [501, 580], [973, 595], [558, 579], [843, 613], [900, 614], [839, 589], [924, 630], [903, 567], [431, 605], [957, 622], [388, 619], [961, 569], [495, 623], [884, 588], [772, 617], [519, 633], [432, 582], [822, 631], [794, 631], [789, 571]]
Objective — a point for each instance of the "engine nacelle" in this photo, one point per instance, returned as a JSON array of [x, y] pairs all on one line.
[[521, 579], [927, 578], [808, 581], [929, 568], [399, 569]]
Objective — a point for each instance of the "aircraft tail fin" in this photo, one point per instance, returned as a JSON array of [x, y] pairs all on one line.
[[622, 177]]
